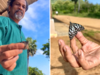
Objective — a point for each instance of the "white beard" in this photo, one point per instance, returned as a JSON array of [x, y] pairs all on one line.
[[19, 17]]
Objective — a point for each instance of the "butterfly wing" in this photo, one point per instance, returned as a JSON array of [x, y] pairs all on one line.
[[78, 27], [74, 28]]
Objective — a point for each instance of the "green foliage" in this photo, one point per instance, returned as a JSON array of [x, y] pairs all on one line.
[[69, 7], [45, 48], [35, 71], [63, 7], [32, 46], [53, 1], [86, 0], [75, 1]]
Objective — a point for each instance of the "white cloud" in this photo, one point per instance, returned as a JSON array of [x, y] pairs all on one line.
[[28, 24], [39, 52], [43, 4], [31, 20], [35, 8], [31, 12]]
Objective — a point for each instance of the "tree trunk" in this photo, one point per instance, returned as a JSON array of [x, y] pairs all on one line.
[[75, 6], [28, 66], [78, 6], [28, 62]]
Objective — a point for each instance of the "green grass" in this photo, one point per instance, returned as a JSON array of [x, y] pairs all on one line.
[[90, 32]]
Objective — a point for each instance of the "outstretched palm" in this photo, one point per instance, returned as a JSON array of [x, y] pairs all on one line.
[[87, 57]]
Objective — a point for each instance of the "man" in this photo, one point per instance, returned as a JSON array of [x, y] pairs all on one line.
[[88, 56], [13, 59], [56, 12]]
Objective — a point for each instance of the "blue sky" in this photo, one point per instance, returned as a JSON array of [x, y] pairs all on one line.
[[94, 1], [36, 25]]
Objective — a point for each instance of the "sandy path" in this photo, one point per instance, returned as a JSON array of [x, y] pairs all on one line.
[[87, 22]]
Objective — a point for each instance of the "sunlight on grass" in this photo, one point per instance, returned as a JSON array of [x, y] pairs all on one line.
[[90, 32]]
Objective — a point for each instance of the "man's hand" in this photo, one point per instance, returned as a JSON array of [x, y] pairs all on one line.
[[88, 56], [9, 55]]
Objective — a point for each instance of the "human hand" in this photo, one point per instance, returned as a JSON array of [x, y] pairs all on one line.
[[9, 55], [88, 56]]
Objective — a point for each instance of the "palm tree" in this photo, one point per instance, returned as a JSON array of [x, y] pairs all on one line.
[[32, 48], [46, 49]]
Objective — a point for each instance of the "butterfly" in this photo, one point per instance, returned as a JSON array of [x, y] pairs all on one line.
[[73, 29]]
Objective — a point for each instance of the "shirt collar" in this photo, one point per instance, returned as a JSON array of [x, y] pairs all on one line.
[[19, 26]]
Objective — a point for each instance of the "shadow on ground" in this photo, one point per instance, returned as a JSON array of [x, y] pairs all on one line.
[[56, 20], [68, 70]]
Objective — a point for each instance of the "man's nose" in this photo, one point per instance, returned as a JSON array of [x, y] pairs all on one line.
[[20, 7]]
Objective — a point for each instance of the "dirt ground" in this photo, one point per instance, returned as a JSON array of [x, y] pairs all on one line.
[[58, 65], [88, 23]]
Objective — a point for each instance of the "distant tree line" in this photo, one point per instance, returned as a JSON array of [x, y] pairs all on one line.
[[75, 6]]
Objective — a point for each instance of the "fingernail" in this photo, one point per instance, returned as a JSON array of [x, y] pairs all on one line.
[[64, 49], [59, 43]]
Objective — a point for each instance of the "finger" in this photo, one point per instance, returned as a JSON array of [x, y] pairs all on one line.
[[26, 44], [12, 67], [81, 38], [73, 45], [8, 63], [70, 57], [12, 46], [9, 54], [83, 62], [61, 45]]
